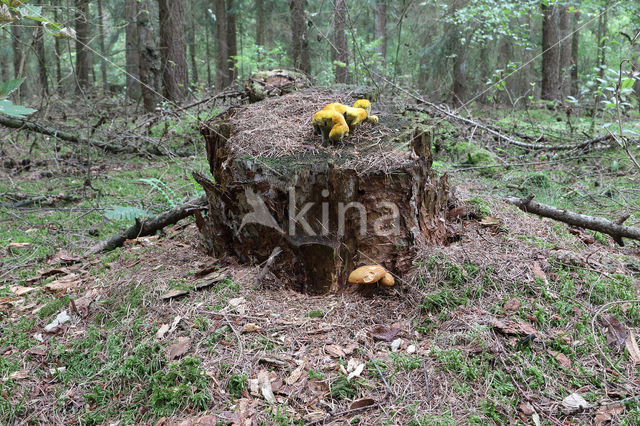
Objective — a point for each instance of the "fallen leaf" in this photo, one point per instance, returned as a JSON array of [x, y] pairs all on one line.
[[616, 332], [356, 372], [265, 387], [162, 331], [181, 347], [395, 345], [172, 294], [512, 304], [384, 332], [19, 375], [211, 278], [490, 221], [411, 349], [334, 350], [606, 413], [350, 347], [19, 290], [63, 284], [561, 358], [295, 375], [361, 403], [251, 327], [526, 408], [538, 272], [82, 304], [574, 403], [632, 348], [54, 326], [64, 258], [511, 327]]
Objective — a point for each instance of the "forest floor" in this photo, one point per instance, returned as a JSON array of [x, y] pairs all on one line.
[[520, 320]]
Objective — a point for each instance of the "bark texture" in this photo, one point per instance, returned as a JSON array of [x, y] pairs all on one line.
[[133, 49], [149, 59], [564, 27], [575, 42], [173, 52], [299, 39], [222, 47], [38, 41], [83, 38], [340, 41], [550, 87], [380, 30]]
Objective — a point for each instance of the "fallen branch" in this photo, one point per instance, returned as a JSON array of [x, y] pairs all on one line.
[[32, 126], [151, 225], [615, 229]]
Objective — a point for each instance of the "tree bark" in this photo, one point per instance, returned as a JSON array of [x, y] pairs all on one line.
[[149, 58], [103, 52], [564, 27], [57, 48], [340, 41], [191, 43], [259, 5], [133, 50], [380, 31], [550, 87], [83, 38], [222, 47], [231, 42], [615, 229], [38, 41], [299, 39], [5, 69], [173, 51], [574, 53]]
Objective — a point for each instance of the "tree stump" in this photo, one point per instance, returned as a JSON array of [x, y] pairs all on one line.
[[370, 199]]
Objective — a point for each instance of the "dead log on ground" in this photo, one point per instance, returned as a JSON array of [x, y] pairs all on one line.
[[151, 225], [616, 229]]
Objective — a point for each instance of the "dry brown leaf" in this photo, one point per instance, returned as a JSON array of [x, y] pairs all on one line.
[[64, 258], [526, 408], [606, 413], [162, 331], [538, 272], [251, 327], [561, 358], [616, 332], [181, 347], [19, 375], [512, 304], [295, 375], [490, 221], [511, 327], [632, 348], [265, 387], [335, 351], [19, 290], [384, 332], [64, 284], [574, 403], [361, 403]]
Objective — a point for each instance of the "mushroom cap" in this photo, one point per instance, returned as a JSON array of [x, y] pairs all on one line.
[[387, 280], [368, 274], [365, 104]]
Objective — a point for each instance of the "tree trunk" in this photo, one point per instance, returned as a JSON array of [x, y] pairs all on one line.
[[574, 54], [208, 54], [173, 51], [191, 44], [259, 5], [268, 16], [5, 69], [564, 27], [103, 52], [133, 49], [329, 210], [38, 41], [340, 41], [299, 39], [149, 58], [231, 42], [380, 30], [58, 49], [222, 47], [83, 38], [550, 87]]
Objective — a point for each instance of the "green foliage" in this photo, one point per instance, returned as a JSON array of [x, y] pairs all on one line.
[[125, 213], [237, 383], [168, 193], [343, 388]]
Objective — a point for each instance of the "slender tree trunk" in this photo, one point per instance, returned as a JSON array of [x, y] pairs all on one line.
[[132, 52], [564, 27], [173, 52], [574, 54], [268, 16], [38, 41], [603, 31], [58, 49], [83, 38], [259, 5], [299, 39], [208, 54], [149, 58], [19, 57], [340, 41], [231, 42], [5, 69], [550, 87], [222, 48], [191, 43], [380, 30], [103, 52]]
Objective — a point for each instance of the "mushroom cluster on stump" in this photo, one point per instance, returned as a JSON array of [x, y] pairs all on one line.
[[372, 199]]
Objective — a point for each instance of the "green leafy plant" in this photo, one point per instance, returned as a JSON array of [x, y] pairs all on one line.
[[168, 193], [125, 213]]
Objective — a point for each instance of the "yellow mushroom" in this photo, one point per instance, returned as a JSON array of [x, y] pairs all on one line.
[[368, 274], [340, 128], [387, 280], [373, 119], [364, 104]]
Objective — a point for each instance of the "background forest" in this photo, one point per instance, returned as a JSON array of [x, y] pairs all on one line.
[[511, 318]]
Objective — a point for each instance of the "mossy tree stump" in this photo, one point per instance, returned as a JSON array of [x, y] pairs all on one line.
[[372, 198]]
